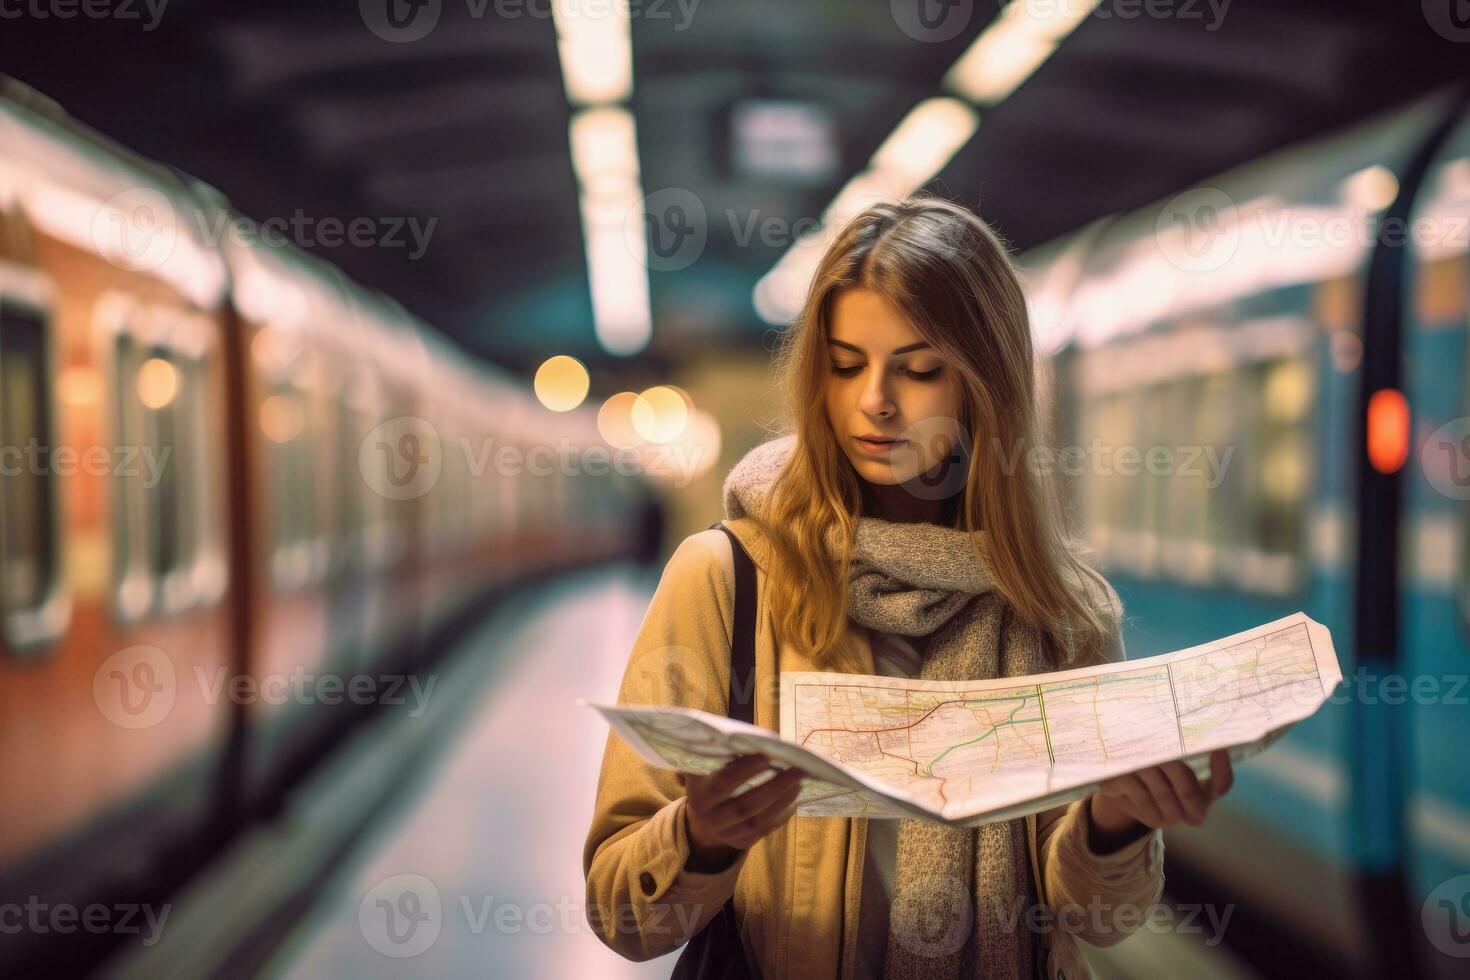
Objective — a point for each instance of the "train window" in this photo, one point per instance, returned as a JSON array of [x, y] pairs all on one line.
[[1194, 519], [1279, 455], [29, 522], [163, 505], [348, 510], [324, 421], [366, 411], [160, 504], [285, 424], [1151, 479]]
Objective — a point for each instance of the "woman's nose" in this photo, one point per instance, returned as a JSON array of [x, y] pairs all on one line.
[[875, 400]]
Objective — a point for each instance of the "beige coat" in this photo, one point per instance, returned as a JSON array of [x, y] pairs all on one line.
[[797, 889]]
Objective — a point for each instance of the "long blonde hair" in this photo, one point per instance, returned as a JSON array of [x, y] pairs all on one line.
[[949, 274]]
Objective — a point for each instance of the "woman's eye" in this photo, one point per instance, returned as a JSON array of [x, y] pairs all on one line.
[[848, 372]]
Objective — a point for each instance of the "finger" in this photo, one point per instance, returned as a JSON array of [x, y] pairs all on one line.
[[1139, 802], [711, 789], [725, 780], [1187, 788], [768, 816], [763, 823], [1222, 775], [732, 811], [1161, 791]]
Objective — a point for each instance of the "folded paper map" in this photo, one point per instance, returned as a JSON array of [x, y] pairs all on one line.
[[972, 752]]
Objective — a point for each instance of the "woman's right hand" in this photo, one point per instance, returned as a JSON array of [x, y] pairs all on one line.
[[720, 826]]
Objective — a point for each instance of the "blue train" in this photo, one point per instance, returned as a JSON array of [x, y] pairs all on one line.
[[1263, 384]]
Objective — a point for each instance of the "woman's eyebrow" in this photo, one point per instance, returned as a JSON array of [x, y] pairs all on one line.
[[897, 350]]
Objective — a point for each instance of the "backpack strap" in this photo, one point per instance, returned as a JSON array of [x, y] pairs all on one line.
[[742, 643]]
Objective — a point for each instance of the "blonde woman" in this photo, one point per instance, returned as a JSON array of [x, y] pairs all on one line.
[[896, 529]]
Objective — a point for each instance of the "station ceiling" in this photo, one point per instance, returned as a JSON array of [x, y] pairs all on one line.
[[300, 111]]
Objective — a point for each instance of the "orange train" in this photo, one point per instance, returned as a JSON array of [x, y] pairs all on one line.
[[229, 474]]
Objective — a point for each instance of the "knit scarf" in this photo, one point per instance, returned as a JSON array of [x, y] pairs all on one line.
[[960, 895]]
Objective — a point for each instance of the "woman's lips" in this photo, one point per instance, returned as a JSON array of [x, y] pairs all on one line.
[[878, 447]]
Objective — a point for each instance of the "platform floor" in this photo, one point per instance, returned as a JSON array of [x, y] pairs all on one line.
[[476, 869], [493, 838]]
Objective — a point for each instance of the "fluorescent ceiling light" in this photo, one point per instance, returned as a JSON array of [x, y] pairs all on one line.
[[1008, 51], [604, 145], [926, 139]]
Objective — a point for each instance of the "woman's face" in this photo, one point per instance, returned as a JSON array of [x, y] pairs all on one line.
[[885, 381]]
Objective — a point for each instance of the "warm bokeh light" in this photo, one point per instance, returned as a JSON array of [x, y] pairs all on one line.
[[274, 348], [693, 454], [280, 418], [660, 414], [1388, 430], [688, 398], [1372, 188], [615, 421], [561, 383], [158, 383], [79, 386], [1288, 392]]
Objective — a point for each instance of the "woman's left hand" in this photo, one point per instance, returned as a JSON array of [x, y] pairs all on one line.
[[1161, 796]]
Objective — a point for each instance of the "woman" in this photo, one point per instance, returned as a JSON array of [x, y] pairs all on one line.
[[895, 530]]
